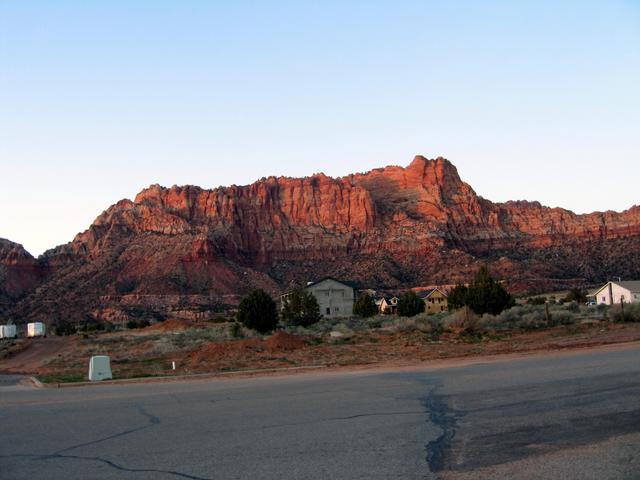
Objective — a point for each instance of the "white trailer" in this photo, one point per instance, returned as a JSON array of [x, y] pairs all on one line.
[[35, 329], [7, 331]]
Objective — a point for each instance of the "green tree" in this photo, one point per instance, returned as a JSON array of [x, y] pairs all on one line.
[[365, 306], [576, 295], [485, 295], [300, 308], [457, 297], [258, 312], [409, 304]]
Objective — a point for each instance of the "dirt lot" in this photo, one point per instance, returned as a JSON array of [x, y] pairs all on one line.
[[207, 348]]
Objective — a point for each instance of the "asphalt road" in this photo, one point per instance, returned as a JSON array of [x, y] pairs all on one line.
[[562, 416]]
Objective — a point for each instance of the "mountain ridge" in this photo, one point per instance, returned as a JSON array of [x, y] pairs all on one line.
[[391, 227]]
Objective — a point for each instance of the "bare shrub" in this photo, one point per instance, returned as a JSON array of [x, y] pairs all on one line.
[[628, 313], [533, 320], [563, 318], [463, 320], [410, 324]]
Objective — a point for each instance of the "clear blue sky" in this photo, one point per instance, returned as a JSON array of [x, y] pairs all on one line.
[[531, 100]]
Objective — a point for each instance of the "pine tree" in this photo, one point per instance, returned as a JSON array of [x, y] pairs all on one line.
[[300, 308], [409, 304], [365, 306], [258, 311]]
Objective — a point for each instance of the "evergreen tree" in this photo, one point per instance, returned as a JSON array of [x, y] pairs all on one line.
[[457, 297], [409, 304], [300, 308], [576, 295], [365, 306], [258, 312], [485, 295]]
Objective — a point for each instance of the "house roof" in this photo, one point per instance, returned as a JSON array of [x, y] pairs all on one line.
[[343, 282], [631, 285], [427, 293]]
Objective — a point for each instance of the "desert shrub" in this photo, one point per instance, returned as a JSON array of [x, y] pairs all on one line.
[[374, 322], [563, 318], [258, 312], [536, 300], [576, 295], [532, 320], [141, 323], [630, 313], [343, 328], [409, 304], [365, 306], [511, 316], [572, 307], [463, 319], [433, 323], [235, 330], [64, 328], [410, 324], [300, 308]]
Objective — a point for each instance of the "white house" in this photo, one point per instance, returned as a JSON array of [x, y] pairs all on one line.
[[616, 292]]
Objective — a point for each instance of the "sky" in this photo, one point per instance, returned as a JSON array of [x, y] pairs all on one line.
[[531, 100]]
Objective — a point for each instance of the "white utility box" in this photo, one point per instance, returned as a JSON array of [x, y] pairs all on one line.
[[35, 329], [100, 368], [7, 331]]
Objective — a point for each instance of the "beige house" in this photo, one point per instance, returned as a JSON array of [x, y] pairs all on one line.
[[617, 292], [388, 305], [335, 298], [435, 301]]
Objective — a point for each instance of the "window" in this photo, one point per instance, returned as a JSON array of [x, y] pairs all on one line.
[[336, 309], [328, 311], [442, 309], [604, 299]]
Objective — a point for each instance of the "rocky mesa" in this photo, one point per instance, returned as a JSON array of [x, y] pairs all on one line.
[[191, 251]]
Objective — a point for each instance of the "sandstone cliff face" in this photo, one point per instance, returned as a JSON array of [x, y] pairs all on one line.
[[19, 274], [390, 227]]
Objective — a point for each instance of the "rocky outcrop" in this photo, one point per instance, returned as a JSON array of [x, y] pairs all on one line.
[[391, 227], [20, 273]]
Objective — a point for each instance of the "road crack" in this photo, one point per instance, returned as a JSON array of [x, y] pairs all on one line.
[[439, 451], [350, 417], [153, 420], [62, 455], [110, 463]]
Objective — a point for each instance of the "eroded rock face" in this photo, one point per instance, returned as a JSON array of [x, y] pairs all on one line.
[[19, 274], [391, 227]]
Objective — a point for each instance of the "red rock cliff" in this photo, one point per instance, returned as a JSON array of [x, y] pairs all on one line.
[[391, 227]]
